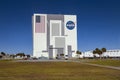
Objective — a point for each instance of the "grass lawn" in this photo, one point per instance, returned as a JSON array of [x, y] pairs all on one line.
[[107, 62], [54, 71]]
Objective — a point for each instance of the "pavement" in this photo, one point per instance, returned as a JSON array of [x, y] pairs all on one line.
[[111, 67]]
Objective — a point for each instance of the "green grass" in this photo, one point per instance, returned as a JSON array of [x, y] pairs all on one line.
[[107, 62], [54, 71]]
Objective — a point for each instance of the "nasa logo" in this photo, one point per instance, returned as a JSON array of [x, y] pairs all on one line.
[[70, 25]]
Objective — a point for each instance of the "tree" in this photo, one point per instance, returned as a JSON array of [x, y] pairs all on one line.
[[3, 53], [20, 54], [12, 56], [103, 49], [28, 56], [94, 52], [78, 53], [99, 51]]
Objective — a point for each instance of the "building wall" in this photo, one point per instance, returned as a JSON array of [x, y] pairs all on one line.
[[87, 54], [57, 38], [39, 39], [53, 35], [71, 35]]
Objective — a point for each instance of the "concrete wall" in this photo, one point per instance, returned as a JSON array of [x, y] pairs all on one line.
[[39, 39], [71, 35]]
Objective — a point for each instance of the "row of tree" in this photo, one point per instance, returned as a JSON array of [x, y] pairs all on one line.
[[96, 51], [3, 54], [99, 51]]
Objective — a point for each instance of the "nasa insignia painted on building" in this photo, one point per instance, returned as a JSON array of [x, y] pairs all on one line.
[[70, 25]]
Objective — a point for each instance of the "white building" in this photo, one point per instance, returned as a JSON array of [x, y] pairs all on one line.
[[112, 53], [54, 35], [108, 53], [87, 54]]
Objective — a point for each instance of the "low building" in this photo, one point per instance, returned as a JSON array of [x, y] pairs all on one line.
[[112, 53], [109, 53], [87, 54]]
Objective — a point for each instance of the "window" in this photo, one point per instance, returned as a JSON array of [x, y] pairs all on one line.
[[37, 19]]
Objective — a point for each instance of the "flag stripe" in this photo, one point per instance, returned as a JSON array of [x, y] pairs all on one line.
[[40, 27]]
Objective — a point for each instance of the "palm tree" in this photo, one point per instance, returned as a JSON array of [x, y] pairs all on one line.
[[3, 53], [78, 53], [103, 50], [99, 51], [94, 52]]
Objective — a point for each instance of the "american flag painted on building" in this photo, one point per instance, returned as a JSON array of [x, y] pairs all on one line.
[[40, 24]]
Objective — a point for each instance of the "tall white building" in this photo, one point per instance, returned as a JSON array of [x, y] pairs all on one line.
[[54, 35]]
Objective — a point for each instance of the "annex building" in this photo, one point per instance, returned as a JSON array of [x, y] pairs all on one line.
[[54, 35], [115, 53]]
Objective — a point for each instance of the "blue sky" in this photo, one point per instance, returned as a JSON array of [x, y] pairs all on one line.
[[98, 22]]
